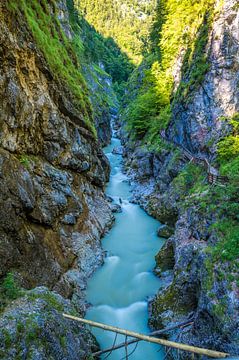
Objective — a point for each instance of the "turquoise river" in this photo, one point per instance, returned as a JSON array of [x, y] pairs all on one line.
[[119, 290]]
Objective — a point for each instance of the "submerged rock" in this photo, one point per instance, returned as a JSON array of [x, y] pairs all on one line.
[[116, 208], [118, 150]]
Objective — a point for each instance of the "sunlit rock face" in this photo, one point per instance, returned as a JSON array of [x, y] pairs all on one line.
[[193, 286], [52, 169], [197, 121], [53, 211]]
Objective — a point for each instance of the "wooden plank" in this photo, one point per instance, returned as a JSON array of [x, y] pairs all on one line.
[[154, 333], [183, 347]]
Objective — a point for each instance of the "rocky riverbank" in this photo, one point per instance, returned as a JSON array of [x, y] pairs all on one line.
[[193, 285], [199, 280], [53, 172]]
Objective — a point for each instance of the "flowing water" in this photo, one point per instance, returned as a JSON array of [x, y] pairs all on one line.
[[119, 289]]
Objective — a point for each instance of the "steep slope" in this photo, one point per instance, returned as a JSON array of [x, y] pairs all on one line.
[[53, 172], [95, 55], [189, 87], [127, 22]]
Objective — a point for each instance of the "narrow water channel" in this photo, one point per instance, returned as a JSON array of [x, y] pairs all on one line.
[[119, 290]]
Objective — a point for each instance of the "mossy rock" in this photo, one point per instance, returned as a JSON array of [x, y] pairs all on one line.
[[165, 257], [165, 231]]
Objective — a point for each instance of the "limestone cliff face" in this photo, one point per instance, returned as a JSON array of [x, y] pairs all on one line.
[[101, 94], [104, 101], [53, 209], [197, 122], [53, 172], [193, 283]]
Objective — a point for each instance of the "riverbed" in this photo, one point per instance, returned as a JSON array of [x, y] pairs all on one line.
[[119, 290]]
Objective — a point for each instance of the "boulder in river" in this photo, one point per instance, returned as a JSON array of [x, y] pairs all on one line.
[[116, 208], [118, 150]]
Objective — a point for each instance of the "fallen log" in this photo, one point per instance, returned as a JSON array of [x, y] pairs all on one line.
[[184, 347], [133, 341]]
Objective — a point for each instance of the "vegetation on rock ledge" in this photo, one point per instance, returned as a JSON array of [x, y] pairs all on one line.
[[59, 52]]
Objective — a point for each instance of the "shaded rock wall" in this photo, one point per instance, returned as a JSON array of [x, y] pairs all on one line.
[[53, 207], [197, 121], [193, 284], [53, 210]]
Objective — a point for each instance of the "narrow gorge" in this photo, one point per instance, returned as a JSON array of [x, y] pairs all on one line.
[[103, 214]]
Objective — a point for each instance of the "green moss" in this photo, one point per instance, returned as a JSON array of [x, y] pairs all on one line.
[[58, 51], [208, 281], [190, 181], [227, 249], [51, 300], [220, 310], [20, 328], [24, 160], [7, 338], [63, 341]]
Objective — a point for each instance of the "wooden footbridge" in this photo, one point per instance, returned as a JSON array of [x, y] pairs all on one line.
[[213, 175], [134, 337]]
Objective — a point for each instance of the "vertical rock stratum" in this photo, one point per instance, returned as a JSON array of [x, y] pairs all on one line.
[[53, 209], [199, 261]]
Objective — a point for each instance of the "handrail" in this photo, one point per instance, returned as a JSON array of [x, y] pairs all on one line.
[[213, 175], [172, 344]]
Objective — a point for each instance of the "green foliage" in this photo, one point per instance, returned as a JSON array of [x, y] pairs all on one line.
[[227, 226], [141, 111], [159, 122], [228, 248], [24, 160], [179, 35], [9, 287], [195, 64], [189, 181], [91, 46], [63, 341], [228, 148], [128, 22], [220, 201], [57, 49], [7, 339], [9, 290]]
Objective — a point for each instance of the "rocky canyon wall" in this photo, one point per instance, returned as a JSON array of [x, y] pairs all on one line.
[[53, 209], [197, 283]]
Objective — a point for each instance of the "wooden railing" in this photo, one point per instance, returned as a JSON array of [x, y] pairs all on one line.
[[132, 337], [213, 175]]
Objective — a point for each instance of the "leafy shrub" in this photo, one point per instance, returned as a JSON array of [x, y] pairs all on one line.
[[180, 33], [9, 289], [141, 111], [228, 148]]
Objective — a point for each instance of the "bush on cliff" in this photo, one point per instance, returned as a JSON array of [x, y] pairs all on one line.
[[9, 290], [57, 49], [180, 33]]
